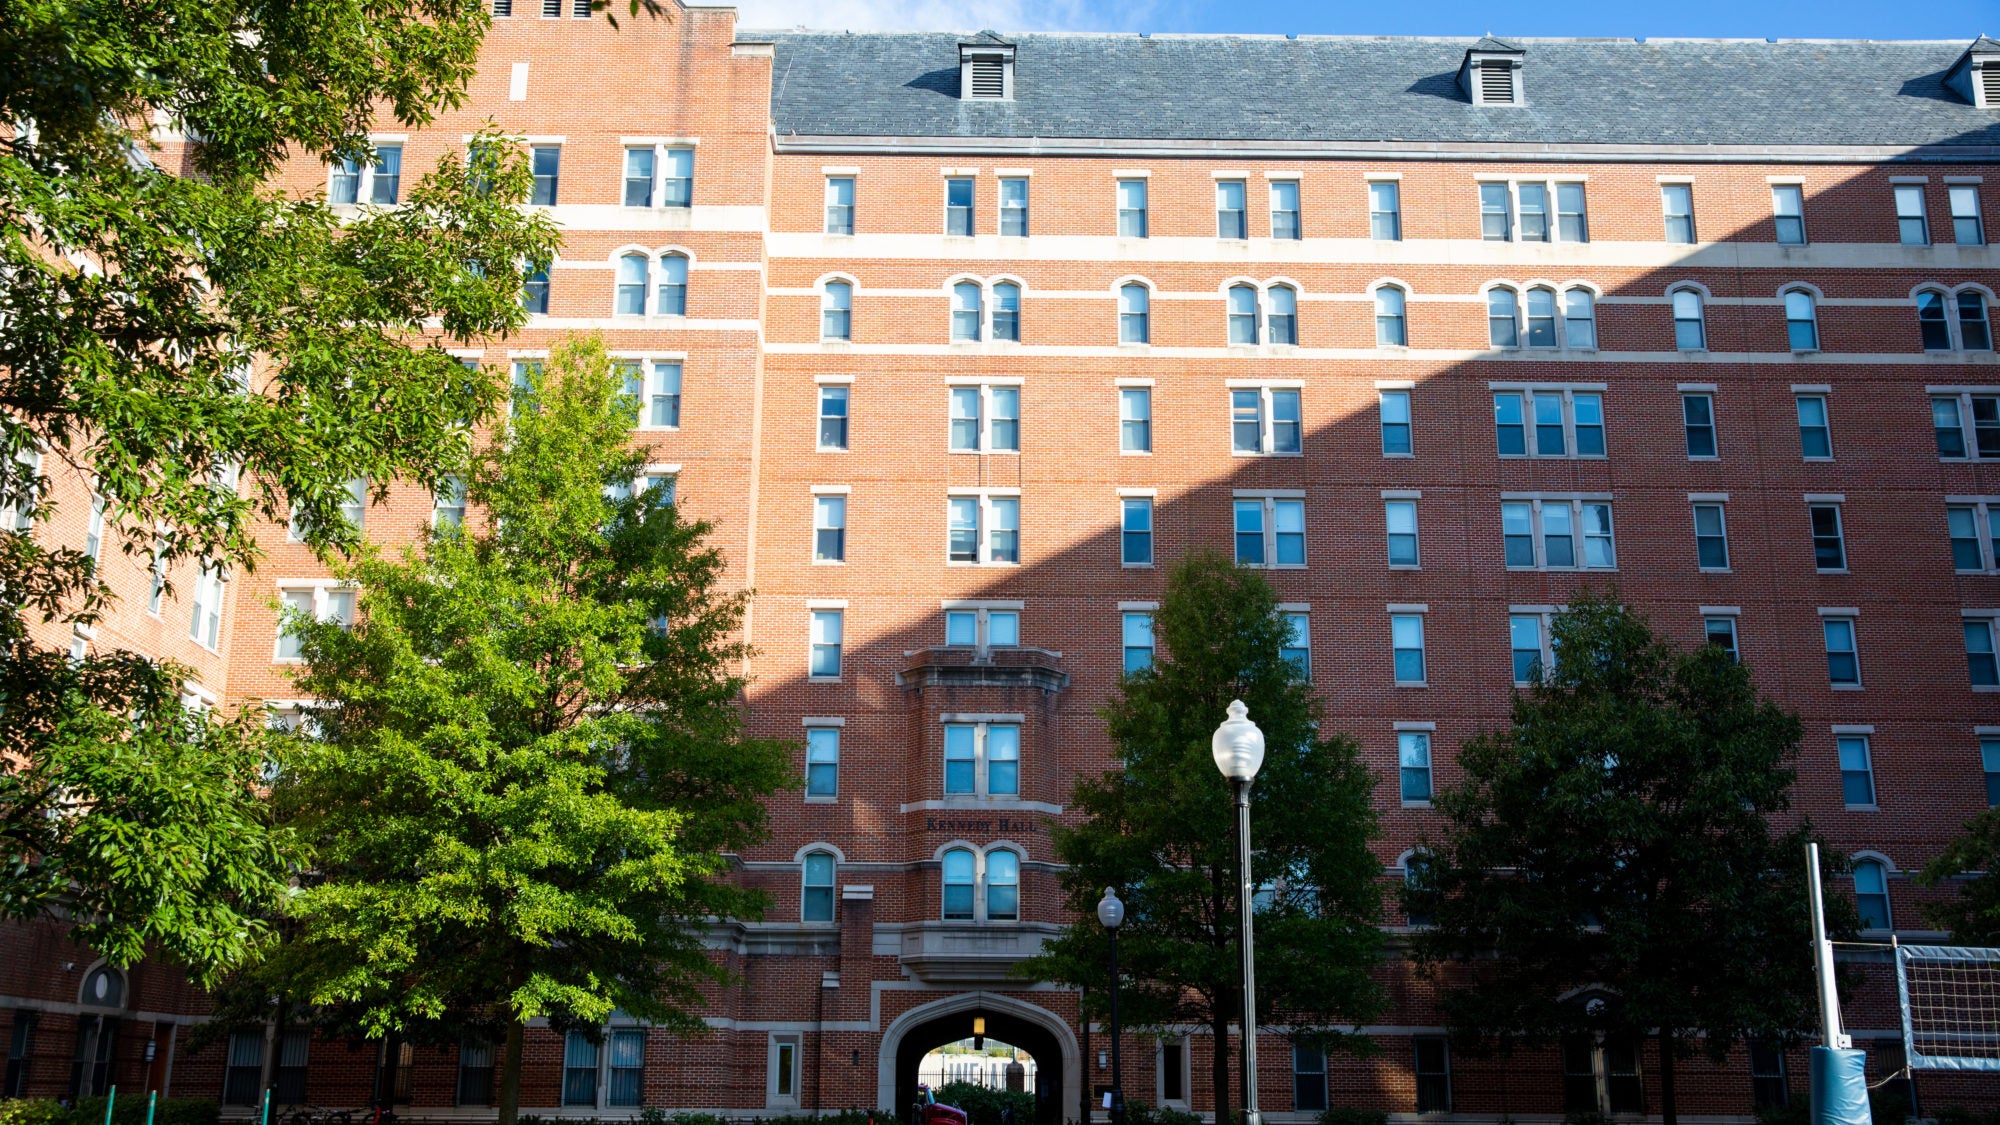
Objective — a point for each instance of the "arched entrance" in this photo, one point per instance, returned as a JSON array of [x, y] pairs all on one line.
[[1031, 1028]]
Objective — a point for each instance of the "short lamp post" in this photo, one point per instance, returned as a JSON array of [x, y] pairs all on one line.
[[1111, 913], [1238, 747]]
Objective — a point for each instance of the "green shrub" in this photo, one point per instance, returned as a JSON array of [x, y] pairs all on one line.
[[1348, 1115], [1795, 1111], [33, 1111], [130, 1110], [1139, 1113], [983, 1105], [1588, 1117], [689, 1118]]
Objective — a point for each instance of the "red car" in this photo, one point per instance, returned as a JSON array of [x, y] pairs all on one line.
[[930, 1112]]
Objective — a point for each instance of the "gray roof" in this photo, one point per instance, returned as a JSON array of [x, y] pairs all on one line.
[[1325, 89]]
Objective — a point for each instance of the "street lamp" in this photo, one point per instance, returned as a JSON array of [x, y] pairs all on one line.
[[1238, 747], [1111, 913]]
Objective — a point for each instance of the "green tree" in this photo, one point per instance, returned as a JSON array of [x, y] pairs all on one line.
[[1609, 867], [1162, 830], [203, 352], [1973, 915], [530, 759]]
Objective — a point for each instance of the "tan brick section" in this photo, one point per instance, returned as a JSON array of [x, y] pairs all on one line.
[[887, 973]]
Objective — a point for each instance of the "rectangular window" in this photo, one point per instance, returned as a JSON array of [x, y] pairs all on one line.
[[1533, 202], [1131, 208], [1136, 532], [1572, 220], [833, 417], [829, 529], [545, 162], [785, 1071], [1232, 210], [663, 407], [1912, 225], [1297, 649], [1495, 213], [1395, 410], [20, 1049], [244, 1068], [1721, 632], [1308, 1079], [288, 1078], [1969, 548], [1555, 533], [1135, 419], [1624, 1088], [983, 627], [1767, 1075], [958, 206], [475, 1072], [627, 1066], [1014, 207], [1400, 520], [1406, 639], [1265, 421], [1413, 753], [677, 178], [1788, 213], [205, 625], [840, 205], [580, 1061], [1843, 660], [1857, 771], [316, 603], [1138, 638], [1385, 211], [156, 591], [1698, 420], [982, 759], [1815, 431], [985, 419], [1677, 201], [1967, 226], [1829, 547], [1532, 653], [1979, 652], [822, 761], [639, 167], [1955, 438], [1989, 764], [1433, 1069], [826, 641], [1270, 531], [1565, 422], [1174, 1070], [93, 532], [1285, 209], [386, 174], [983, 529], [1711, 538]]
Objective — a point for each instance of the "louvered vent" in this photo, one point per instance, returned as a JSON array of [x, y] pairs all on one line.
[[1989, 85], [1496, 84], [552, 9], [581, 9], [503, 7], [989, 78]]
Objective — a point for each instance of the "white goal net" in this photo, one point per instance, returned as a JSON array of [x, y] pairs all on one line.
[[1950, 997]]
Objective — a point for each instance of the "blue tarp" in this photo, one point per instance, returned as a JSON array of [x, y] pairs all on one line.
[[1839, 1087]]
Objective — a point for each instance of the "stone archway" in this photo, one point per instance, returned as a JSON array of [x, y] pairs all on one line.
[[1030, 1027]]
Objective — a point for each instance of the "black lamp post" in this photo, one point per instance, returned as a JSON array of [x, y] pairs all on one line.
[[1238, 748], [1111, 913]]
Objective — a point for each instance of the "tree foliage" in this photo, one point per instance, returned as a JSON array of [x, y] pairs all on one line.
[[1162, 830], [529, 762], [1616, 843], [205, 352], [1972, 916]]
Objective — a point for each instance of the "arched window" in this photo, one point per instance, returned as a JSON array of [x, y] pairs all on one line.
[[1503, 326], [960, 879], [1871, 894], [1284, 316], [1579, 319], [1931, 321], [1801, 329], [1541, 318], [1690, 333], [1974, 333], [673, 286], [965, 311], [816, 894], [1134, 315], [632, 285], [1003, 886], [1389, 326], [1242, 314], [103, 988], [836, 307], [1007, 311]]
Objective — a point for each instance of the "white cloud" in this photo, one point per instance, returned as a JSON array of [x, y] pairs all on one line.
[[951, 15]]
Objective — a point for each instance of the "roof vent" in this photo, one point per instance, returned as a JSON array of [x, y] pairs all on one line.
[[1976, 75], [1491, 73], [986, 68]]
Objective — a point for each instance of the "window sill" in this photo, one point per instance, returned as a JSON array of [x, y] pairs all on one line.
[[1399, 456], [822, 679], [829, 562], [277, 659], [1413, 683], [995, 565], [657, 429], [1831, 570], [1986, 689], [1708, 459], [1135, 453], [1246, 453], [821, 799], [1416, 804], [832, 343], [1844, 687], [1135, 566], [1714, 570], [1863, 808], [1273, 566], [1406, 566], [829, 449]]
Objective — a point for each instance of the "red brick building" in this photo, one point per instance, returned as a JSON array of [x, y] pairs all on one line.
[[958, 339]]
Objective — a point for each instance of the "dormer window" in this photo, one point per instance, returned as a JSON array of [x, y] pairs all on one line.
[[986, 69], [1976, 75], [1491, 73]]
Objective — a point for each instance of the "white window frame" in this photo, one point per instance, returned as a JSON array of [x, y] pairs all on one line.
[[1714, 426], [985, 387], [1394, 184], [853, 194], [1780, 192], [1711, 617], [822, 726], [93, 531], [1545, 619], [981, 883], [1667, 216], [838, 615], [846, 395], [1986, 620], [1144, 211], [1962, 399], [1128, 501], [1568, 392], [1242, 185], [1393, 499], [1560, 295], [1840, 532], [1853, 621], [782, 1075], [1427, 733], [211, 581], [322, 608], [1899, 193], [1720, 502], [826, 306], [1538, 503], [1298, 628], [1825, 398], [984, 529], [364, 175], [656, 199], [1953, 193], [982, 635], [450, 488], [1553, 214], [1026, 209], [1270, 501], [1409, 397], [1984, 509], [1298, 211], [1267, 417], [1812, 302], [1128, 612], [1141, 394], [1866, 735], [829, 499], [1417, 613], [19, 504], [982, 782]]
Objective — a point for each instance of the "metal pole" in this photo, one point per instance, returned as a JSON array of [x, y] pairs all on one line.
[[1246, 900], [152, 1099], [110, 1099], [1829, 999], [267, 1106], [1117, 1072]]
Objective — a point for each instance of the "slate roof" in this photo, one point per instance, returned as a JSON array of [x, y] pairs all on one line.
[[1327, 89]]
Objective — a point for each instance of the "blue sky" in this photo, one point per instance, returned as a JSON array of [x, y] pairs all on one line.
[[1789, 19]]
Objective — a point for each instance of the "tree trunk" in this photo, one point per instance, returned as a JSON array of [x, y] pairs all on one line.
[[1219, 1066], [1667, 1113], [510, 1074]]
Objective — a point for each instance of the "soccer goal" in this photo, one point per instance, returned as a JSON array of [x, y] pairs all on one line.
[[1950, 997]]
